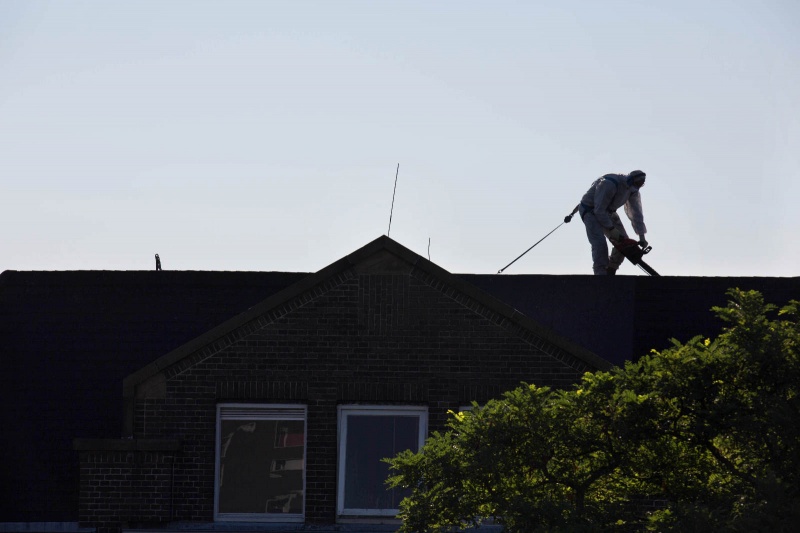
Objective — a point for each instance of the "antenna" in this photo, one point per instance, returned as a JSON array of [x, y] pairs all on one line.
[[393, 193]]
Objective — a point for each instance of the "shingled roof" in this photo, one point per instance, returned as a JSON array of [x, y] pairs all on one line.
[[68, 339], [624, 317]]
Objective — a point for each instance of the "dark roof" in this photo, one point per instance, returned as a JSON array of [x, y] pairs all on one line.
[[68, 339], [624, 317]]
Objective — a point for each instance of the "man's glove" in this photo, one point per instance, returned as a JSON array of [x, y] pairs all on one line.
[[642, 241], [614, 234], [567, 219]]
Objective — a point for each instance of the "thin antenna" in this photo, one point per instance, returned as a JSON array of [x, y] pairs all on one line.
[[393, 193], [429, 248]]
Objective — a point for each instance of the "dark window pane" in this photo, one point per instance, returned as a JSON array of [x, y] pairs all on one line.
[[371, 438], [261, 466]]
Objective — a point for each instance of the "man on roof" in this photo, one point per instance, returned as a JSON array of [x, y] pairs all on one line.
[[598, 210]]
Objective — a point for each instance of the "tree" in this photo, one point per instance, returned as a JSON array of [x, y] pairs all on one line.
[[735, 405], [709, 429]]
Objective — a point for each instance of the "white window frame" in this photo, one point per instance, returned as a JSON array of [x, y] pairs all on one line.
[[371, 410], [253, 411]]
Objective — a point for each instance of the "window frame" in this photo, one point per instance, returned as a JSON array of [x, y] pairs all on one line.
[[343, 411], [258, 411]]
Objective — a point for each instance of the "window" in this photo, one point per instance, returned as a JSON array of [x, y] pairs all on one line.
[[367, 434], [260, 462]]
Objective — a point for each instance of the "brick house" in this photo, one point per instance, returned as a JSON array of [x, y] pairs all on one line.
[[282, 413], [298, 395]]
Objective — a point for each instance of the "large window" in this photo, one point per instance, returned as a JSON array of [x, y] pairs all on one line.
[[260, 462], [367, 434]]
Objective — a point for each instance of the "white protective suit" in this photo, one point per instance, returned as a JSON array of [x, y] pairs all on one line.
[[598, 212]]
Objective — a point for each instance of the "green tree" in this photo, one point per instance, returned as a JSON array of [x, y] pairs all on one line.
[[708, 429], [732, 406]]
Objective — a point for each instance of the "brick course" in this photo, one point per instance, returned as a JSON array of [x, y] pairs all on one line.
[[125, 487]]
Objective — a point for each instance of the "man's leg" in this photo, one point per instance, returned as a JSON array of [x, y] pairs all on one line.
[[594, 232], [617, 257]]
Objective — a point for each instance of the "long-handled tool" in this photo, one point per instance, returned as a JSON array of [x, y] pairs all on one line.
[[629, 248], [566, 219]]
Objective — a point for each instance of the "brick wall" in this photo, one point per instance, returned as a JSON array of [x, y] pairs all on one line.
[[125, 483], [358, 338]]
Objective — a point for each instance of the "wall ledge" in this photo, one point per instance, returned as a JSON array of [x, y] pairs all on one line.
[[126, 445]]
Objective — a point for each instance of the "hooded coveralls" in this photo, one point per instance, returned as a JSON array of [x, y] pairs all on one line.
[[598, 212]]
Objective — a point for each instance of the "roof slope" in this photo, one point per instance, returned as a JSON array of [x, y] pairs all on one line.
[[624, 317], [68, 339]]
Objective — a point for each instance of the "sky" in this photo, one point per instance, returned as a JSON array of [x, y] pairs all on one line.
[[266, 135]]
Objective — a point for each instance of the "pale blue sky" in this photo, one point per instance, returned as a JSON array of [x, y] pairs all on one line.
[[265, 135]]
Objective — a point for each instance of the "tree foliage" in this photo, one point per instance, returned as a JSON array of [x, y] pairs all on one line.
[[701, 436]]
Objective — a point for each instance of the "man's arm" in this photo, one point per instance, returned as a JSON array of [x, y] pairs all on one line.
[[633, 208]]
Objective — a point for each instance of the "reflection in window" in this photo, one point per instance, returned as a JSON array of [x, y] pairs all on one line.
[[261, 462], [367, 435]]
